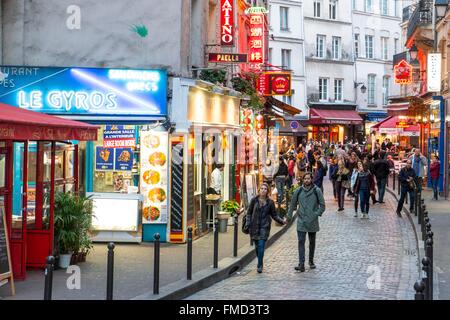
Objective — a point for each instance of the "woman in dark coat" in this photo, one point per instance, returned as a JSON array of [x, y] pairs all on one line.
[[260, 213]]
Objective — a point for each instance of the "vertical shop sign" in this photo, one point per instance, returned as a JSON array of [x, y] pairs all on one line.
[[226, 23], [434, 72], [256, 41], [176, 203], [154, 150]]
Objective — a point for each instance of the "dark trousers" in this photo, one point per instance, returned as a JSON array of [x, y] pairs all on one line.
[[403, 193], [435, 184], [381, 184], [356, 202], [260, 246], [289, 181], [301, 246], [333, 182], [340, 190], [364, 197], [280, 183]]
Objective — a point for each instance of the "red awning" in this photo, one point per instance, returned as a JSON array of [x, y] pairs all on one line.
[[20, 124], [389, 126], [319, 116]]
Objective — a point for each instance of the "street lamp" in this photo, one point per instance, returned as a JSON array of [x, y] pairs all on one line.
[[413, 52], [441, 8], [363, 87]]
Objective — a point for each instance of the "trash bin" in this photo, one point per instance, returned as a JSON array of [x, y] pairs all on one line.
[[223, 223]]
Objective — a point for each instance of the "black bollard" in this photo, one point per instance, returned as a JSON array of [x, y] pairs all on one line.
[[156, 266], [426, 277], [429, 254], [419, 286], [426, 221], [216, 244], [189, 254], [49, 278], [110, 272], [235, 243]]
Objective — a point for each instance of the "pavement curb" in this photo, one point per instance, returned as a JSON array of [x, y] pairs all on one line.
[[207, 277]]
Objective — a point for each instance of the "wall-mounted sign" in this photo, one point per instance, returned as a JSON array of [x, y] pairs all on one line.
[[115, 136], [256, 41], [85, 91], [295, 125], [434, 72], [113, 159], [228, 57], [403, 72], [274, 83], [226, 23]]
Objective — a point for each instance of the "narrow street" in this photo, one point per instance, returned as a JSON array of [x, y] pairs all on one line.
[[349, 253]]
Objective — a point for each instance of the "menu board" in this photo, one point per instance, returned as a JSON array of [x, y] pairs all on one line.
[[154, 166], [113, 159]]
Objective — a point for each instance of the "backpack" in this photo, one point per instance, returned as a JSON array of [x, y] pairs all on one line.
[[315, 192]]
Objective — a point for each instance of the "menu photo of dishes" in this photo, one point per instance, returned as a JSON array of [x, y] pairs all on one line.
[[154, 170]]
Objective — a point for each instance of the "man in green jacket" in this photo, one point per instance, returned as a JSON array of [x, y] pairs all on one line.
[[309, 204]]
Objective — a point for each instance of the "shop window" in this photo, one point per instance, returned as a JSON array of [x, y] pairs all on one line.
[[2, 170]]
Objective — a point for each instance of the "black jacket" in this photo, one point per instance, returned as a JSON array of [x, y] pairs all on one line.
[[405, 174], [381, 169], [259, 219], [282, 170]]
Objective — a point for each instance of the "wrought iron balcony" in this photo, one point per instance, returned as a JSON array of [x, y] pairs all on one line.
[[422, 15], [407, 11]]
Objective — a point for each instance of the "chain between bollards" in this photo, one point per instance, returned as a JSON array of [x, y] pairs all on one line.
[[110, 272], [216, 244], [235, 243], [156, 264], [49, 278], [189, 254]]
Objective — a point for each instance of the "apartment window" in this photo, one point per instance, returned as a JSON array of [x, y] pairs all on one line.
[[323, 89], [270, 55], [396, 8], [384, 7], [354, 4], [284, 18], [333, 9], [368, 5], [369, 47], [287, 99], [317, 8], [396, 45], [338, 90], [320, 46], [371, 89], [356, 45], [269, 17], [336, 48], [384, 48], [385, 90], [286, 58]]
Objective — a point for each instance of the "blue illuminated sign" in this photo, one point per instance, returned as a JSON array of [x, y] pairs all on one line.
[[85, 91]]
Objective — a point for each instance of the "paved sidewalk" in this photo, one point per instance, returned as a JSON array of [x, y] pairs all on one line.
[[349, 253], [133, 274]]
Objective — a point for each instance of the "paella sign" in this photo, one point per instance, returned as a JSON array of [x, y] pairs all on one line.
[[403, 72]]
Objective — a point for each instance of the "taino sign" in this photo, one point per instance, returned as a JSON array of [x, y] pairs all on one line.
[[226, 23], [85, 91]]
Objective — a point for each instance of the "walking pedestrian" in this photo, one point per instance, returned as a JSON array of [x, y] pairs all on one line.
[[309, 204], [407, 177], [364, 186], [280, 178], [342, 183], [352, 164], [419, 163], [291, 167], [260, 213], [332, 170], [368, 162], [352, 186], [319, 174], [267, 172], [435, 167], [381, 170], [300, 167]]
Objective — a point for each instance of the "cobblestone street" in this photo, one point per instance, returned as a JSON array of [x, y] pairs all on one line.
[[350, 253]]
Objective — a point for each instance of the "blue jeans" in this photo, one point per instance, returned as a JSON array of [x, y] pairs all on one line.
[[403, 194], [435, 185], [280, 183], [364, 200], [381, 184], [259, 248], [301, 246]]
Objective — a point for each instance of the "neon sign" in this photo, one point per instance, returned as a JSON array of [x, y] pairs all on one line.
[[256, 41], [86, 91], [226, 23]]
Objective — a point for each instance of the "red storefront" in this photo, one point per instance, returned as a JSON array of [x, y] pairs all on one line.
[[31, 237]]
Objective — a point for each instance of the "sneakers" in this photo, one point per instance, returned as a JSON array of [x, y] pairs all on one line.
[[259, 269], [399, 214], [312, 265], [300, 267], [356, 214], [341, 209], [365, 216]]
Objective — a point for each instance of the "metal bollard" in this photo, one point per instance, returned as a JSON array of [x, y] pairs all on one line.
[[189, 254], [426, 221], [110, 272], [156, 264], [49, 278], [235, 244], [419, 286], [216, 244], [429, 254], [426, 277]]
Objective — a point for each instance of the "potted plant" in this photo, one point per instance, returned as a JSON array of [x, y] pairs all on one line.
[[232, 208], [73, 216]]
